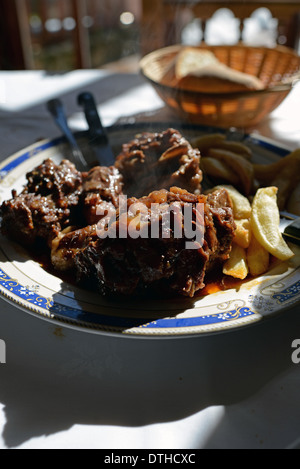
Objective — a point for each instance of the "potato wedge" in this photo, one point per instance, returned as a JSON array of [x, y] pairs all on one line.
[[236, 266], [243, 233], [265, 173], [286, 181], [218, 171], [205, 142], [239, 165], [258, 258], [265, 219], [235, 147]]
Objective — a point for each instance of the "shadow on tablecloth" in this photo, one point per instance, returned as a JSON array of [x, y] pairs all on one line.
[[56, 377]]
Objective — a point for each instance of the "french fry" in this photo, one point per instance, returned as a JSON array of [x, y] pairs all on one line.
[[265, 219], [286, 181], [243, 233], [239, 165], [236, 266], [265, 173], [218, 171], [205, 142], [235, 147], [258, 258]]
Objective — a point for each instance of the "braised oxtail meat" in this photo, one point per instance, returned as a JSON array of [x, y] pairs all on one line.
[[164, 243], [68, 243], [58, 181], [154, 161], [46, 206], [29, 217], [100, 184], [161, 261], [221, 209]]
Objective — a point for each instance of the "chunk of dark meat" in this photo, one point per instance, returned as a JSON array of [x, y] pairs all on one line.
[[58, 181], [154, 161], [59, 205], [68, 244], [100, 184], [46, 206], [220, 206], [123, 265], [29, 217]]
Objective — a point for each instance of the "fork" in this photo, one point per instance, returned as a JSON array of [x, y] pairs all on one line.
[[55, 107]]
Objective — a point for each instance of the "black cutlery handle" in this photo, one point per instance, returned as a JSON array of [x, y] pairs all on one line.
[[293, 230], [96, 130]]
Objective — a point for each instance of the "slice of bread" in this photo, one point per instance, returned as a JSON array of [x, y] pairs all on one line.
[[190, 60], [200, 70]]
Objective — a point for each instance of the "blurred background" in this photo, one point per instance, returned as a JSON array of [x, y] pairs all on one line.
[[58, 35]]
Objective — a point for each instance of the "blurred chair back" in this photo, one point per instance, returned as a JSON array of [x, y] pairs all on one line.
[[15, 53], [167, 22], [16, 40]]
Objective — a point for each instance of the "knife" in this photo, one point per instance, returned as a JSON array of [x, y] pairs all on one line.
[[290, 227], [98, 136]]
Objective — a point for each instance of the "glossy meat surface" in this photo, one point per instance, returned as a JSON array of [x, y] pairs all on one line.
[[100, 184], [46, 206], [124, 265], [165, 241], [154, 161]]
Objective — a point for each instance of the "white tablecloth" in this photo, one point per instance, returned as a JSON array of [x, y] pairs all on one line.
[[61, 388]]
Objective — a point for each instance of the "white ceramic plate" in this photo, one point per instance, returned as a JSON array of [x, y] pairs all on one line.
[[27, 285]]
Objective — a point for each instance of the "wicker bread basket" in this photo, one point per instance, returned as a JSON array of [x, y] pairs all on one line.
[[278, 68]]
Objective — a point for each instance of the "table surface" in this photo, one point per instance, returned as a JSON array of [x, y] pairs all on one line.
[[64, 389]]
